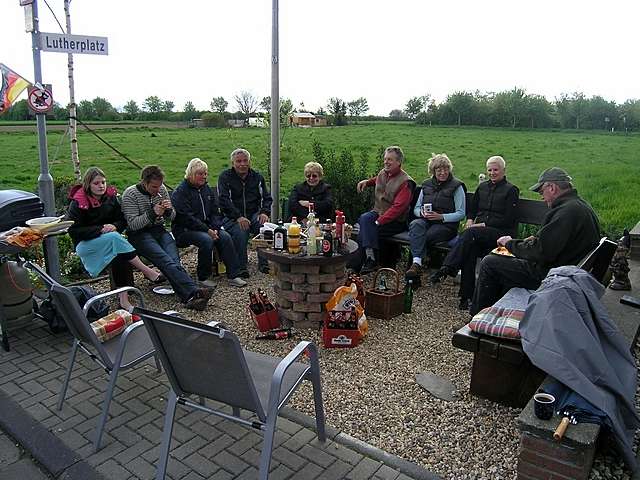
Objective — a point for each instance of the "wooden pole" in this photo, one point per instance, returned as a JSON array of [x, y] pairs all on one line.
[[75, 160]]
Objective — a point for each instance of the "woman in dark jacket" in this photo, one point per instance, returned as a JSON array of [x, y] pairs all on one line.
[[98, 221], [491, 214], [312, 190]]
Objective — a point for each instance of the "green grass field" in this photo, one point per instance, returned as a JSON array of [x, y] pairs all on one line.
[[605, 168]]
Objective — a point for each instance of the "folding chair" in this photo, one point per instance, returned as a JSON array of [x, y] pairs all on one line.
[[597, 260], [208, 362], [119, 353]]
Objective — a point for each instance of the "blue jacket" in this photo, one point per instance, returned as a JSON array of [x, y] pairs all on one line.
[[196, 209], [243, 198]]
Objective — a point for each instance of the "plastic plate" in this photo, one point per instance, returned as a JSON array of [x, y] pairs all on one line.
[[163, 290]]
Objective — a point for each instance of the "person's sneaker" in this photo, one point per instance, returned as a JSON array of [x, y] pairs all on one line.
[[368, 266], [208, 283], [439, 275], [464, 304], [413, 272], [237, 282], [200, 299], [244, 274]]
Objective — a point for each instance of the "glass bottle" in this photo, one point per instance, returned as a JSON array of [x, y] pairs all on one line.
[[327, 240], [408, 296], [280, 237]]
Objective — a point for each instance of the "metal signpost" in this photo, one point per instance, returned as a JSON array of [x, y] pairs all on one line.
[[41, 101], [275, 116]]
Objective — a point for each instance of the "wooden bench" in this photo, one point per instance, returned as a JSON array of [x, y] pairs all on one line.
[[501, 370], [528, 212]]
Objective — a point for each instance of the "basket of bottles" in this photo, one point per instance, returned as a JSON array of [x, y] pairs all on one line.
[[385, 300], [340, 329], [263, 313]]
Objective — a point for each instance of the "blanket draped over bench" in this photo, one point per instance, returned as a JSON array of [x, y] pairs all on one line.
[[567, 332]]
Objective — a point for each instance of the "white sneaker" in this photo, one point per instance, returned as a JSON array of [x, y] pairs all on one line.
[[207, 283], [237, 282]]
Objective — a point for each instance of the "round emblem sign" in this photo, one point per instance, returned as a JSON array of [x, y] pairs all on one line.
[[40, 100]]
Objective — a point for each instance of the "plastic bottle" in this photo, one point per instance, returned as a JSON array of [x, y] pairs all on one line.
[[280, 237], [408, 296], [293, 236], [312, 236], [327, 240]]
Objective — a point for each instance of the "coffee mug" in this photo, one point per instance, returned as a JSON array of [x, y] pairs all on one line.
[[543, 405]]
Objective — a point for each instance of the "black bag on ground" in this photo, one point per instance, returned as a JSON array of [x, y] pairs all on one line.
[[47, 310]]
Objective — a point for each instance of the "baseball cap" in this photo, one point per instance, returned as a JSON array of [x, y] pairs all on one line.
[[553, 174]]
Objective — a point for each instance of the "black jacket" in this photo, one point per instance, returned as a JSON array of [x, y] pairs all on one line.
[[440, 194], [320, 195], [494, 204], [243, 198], [570, 230], [88, 222], [196, 209]]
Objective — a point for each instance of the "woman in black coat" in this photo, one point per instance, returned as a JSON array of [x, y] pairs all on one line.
[[96, 233], [312, 190]]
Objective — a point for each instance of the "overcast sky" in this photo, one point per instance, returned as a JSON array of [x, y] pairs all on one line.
[[386, 51]]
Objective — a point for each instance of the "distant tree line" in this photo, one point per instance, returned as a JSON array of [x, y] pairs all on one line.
[[518, 109], [513, 108]]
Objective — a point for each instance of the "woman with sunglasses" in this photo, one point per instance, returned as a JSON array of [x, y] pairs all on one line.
[[312, 190]]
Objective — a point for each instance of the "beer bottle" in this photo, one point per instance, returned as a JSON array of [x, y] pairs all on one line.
[[265, 300], [280, 237], [254, 304], [311, 216], [275, 334], [327, 240], [408, 296], [293, 236]]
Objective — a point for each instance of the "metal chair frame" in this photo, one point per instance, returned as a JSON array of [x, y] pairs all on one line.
[[242, 389], [85, 339]]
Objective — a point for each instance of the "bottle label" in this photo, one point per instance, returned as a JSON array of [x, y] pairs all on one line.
[[278, 241], [326, 246]]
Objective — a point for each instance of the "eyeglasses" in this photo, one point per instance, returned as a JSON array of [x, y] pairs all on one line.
[[312, 175], [441, 169]]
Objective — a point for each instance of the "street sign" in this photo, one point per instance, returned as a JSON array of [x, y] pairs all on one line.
[[40, 100], [62, 43]]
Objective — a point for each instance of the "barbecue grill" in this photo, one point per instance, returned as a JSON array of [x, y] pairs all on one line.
[[16, 207]]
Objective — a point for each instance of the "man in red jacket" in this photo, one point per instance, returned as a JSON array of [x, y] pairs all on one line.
[[392, 200]]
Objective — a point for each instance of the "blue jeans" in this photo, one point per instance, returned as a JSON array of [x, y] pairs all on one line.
[[205, 245], [370, 233], [241, 239], [160, 249], [423, 233]]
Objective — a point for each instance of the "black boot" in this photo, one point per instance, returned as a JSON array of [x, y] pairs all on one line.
[[464, 304], [439, 275]]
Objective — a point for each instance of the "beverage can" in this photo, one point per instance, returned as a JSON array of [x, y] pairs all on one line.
[[427, 207]]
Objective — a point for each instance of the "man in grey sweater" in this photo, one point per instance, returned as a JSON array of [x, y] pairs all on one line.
[[146, 207]]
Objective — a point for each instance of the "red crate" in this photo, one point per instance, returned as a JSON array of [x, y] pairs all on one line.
[[267, 320], [339, 337]]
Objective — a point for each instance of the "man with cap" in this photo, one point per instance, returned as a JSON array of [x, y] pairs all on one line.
[[570, 230]]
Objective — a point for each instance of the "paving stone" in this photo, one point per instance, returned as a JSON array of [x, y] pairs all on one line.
[[438, 386], [215, 447], [188, 448], [9, 452], [113, 469], [300, 439], [336, 471], [386, 473], [200, 464], [39, 412], [23, 469], [192, 476], [107, 452], [233, 429], [316, 456], [221, 475], [364, 469], [289, 458], [281, 472], [142, 469], [245, 443], [177, 469], [125, 435], [230, 462], [249, 474], [136, 450], [72, 439], [309, 472], [288, 426], [206, 431], [343, 453]]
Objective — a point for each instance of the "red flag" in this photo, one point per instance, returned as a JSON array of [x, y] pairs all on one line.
[[11, 86]]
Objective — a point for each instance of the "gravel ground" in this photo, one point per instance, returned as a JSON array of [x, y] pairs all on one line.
[[370, 391]]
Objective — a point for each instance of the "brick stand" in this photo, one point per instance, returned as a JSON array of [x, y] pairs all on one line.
[[304, 283], [541, 457]]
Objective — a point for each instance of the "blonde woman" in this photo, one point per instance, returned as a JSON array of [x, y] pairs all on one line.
[[312, 190], [439, 209]]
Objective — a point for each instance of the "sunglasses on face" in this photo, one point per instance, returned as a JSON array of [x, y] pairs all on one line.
[[312, 175]]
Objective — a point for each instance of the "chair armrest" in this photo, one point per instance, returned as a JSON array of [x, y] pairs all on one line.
[[111, 293], [285, 363]]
